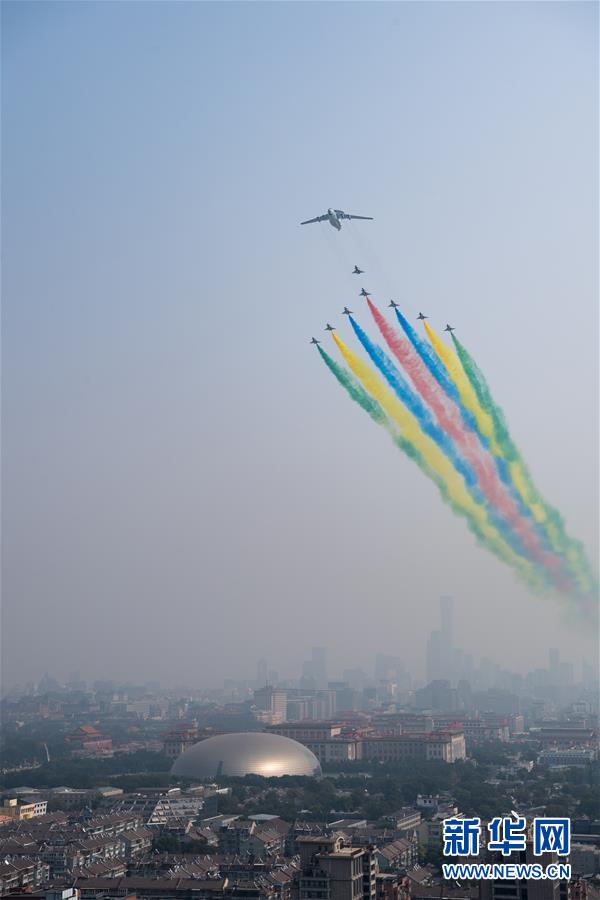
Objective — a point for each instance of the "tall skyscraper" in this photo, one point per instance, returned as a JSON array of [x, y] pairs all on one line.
[[447, 615], [261, 673], [434, 662], [319, 666], [554, 665]]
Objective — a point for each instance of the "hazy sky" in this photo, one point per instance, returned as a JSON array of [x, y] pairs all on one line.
[[186, 488]]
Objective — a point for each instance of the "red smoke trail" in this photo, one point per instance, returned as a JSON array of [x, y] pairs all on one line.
[[468, 443]]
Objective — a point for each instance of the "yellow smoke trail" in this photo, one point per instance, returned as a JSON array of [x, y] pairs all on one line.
[[439, 463], [463, 386], [485, 423]]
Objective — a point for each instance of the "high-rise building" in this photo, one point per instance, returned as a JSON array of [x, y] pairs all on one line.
[[387, 667], [442, 660], [261, 673], [330, 871], [447, 615], [434, 653], [319, 666], [272, 701], [495, 889], [554, 665]]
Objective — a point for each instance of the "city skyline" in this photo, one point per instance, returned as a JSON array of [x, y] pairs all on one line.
[[385, 668]]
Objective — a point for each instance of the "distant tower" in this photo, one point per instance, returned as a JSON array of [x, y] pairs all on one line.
[[319, 666], [433, 662], [261, 673], [554, 665], [447, 614], [447, 644]]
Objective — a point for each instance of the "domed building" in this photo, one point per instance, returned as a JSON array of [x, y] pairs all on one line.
[[246, 753]]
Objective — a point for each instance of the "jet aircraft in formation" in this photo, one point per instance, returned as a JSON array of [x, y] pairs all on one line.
[[392, 304], [335, 218]]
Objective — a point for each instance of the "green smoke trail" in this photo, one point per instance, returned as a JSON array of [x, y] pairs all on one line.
[[532, 577], [572, 549], [355, 389]]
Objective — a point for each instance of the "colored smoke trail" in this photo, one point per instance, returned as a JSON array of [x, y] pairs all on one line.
[[463, 386], [450, 420], [355, 389], [413, 403], [485, 427], [573, 549], [374, 410], [430, 359], [440, 466]]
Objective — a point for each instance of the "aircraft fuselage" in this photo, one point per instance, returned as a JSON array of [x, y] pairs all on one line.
[[333, 219]]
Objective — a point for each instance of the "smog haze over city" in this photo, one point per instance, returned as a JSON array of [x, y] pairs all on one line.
[[299, 451], [186, 490]]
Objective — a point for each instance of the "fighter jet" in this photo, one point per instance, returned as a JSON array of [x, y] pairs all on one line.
[[448, 328], [314, 341], [392, 304], [346, 311], [357, 271], [330, 327], [421, 316], [364, 293], [335, 217]]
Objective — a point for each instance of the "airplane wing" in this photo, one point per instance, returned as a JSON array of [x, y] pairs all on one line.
[[318, 219], [347, 216]]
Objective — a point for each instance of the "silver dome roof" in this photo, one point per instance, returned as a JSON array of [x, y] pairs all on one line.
[[247, 753]]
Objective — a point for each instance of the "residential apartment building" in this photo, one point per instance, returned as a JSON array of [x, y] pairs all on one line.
[[330, 871], [22, 874]]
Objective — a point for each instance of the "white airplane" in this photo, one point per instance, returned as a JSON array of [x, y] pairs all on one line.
[[334, 217]]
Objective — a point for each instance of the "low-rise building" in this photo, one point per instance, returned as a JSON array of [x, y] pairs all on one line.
[[574, 756], [398, 856], [22, 874], [405, 820], [29, 808], [151, 889], [88, 741]]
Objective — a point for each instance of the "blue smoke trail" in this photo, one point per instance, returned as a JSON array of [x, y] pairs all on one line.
[[423, 416], [413, 402], [433, 362], [439, 372]]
